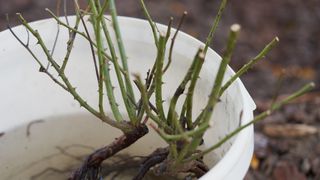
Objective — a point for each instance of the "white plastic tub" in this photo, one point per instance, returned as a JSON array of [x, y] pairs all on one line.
[[27, 95]]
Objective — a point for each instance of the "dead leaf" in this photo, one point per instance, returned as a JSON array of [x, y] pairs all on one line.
[[313, 97], [255, 162], [307, 72], [287, 171], [178, 8], [289, 130], [310, 97]]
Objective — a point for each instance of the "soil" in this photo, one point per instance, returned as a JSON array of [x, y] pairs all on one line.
[[279, 156]]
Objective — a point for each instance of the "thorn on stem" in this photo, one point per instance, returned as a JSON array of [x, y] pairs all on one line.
[[145, 120], [211, 123], [154, 127], [42, 69]]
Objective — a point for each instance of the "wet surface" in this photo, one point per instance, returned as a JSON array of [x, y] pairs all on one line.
[[296, 22]]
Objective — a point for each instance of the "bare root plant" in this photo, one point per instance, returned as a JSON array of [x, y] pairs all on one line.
[[182, 132]]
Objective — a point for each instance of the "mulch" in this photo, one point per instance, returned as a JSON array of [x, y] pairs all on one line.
[[287, 143]]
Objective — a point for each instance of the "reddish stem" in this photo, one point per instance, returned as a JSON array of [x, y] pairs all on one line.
[[90, 169]]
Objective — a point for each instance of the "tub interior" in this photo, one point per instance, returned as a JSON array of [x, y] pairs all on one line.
[[29, 96]]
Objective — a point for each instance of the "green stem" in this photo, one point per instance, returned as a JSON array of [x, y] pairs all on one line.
[[42, 68], [105, 69], [91, 47], [158, 76], [258, 118], [175, 137], [177, 125], [103, 9], [253, 61], [189, 98], [169, 29], [71, 89], [70, 44], [181, 88], [152, 24], [129, 107], [173, 150], [122, 51], [102, 62], [213, 98], [66, 25], [198, 120], [76, 31], [145, 103], [173, 41], [215, 25]]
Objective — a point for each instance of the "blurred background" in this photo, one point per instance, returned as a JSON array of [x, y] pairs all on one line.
[[287, 143]]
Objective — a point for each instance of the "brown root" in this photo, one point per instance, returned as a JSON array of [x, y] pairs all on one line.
[[164, 166], [198, 168], [158, 156], [91, 168], [195, 168]]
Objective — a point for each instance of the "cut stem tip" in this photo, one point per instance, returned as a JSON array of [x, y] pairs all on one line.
[[235, 27]]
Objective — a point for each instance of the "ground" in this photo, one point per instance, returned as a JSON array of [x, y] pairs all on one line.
[[284, 148]]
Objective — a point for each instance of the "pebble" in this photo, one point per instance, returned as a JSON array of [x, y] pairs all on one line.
[[14, 5], [306, 166], [289, 130], [315, 165], [287, 171], [260, 145]]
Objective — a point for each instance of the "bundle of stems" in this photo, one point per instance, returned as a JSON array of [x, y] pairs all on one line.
[[182, 132]]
